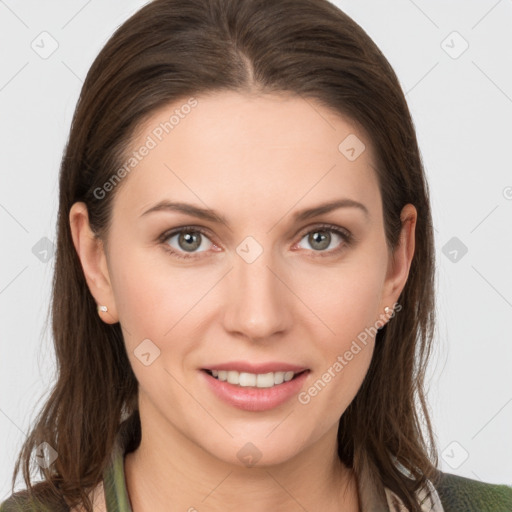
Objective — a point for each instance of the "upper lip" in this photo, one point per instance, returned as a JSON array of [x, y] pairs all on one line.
[[245, 366]]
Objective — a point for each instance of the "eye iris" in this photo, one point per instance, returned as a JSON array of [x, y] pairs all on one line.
[[189, 240], [319, 237]]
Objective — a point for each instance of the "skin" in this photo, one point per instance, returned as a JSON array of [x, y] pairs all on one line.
[[256, 159]]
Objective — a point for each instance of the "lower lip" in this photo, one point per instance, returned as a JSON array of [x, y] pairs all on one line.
[[252, 398]]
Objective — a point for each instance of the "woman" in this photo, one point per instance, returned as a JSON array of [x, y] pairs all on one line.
[[243, 301]]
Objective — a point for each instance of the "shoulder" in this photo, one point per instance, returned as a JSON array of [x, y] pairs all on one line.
[[459, 494], [42, 500]]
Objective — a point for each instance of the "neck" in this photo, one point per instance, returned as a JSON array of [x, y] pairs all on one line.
[[169, 470]]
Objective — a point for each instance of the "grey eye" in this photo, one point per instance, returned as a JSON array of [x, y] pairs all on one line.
[[320, 239], [189, 241]]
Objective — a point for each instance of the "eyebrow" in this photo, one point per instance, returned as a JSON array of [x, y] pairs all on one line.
[[213, 216]]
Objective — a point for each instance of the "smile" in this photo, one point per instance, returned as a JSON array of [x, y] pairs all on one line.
[[254, 392], [258, 380]]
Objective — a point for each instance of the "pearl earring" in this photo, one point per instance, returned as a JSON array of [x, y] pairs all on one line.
[[102, 309], [388, 310]]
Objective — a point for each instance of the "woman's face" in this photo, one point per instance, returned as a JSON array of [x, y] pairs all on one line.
[[269, 285]]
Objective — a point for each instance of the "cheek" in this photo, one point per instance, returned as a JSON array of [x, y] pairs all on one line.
[[159, 301], [150, 297], [156, 302], [345, 298], [347, 302], [346, 356]]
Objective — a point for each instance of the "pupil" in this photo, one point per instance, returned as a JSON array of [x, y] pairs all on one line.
[[319, 237], [191, 240]]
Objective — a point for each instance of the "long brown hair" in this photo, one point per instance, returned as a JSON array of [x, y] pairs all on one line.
[[175, 49]]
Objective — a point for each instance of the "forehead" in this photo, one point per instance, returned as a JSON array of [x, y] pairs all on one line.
[[240, 149]]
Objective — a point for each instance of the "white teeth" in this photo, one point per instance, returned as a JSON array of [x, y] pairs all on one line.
[[246, 379], [261, 380]]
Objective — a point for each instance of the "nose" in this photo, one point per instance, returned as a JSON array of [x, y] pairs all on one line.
[[258, 304]]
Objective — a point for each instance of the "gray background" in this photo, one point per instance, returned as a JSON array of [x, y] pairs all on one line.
[[461, 102]]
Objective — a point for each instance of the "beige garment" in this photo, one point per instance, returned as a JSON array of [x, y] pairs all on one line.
[[374, 497]]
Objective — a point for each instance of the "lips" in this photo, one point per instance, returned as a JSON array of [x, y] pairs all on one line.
[[250, 398], [257, 368]]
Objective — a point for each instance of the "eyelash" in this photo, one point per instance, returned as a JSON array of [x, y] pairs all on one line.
[[346, 236]]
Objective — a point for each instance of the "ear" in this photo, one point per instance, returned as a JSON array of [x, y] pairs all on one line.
[[91, 253], [400, 260]]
